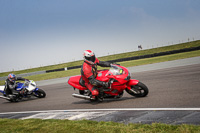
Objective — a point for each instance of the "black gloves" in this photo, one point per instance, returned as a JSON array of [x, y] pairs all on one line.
[[106, 84]]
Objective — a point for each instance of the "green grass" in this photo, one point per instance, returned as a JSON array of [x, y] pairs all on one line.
[[84, 126], [110, 57]]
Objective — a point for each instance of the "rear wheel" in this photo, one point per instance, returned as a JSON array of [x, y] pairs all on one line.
[[40, 93], [139, 90]]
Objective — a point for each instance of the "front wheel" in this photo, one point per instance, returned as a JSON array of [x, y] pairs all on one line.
[[40, 93], [139, 90]]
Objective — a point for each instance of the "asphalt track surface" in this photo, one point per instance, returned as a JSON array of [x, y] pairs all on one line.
[[172, 88]]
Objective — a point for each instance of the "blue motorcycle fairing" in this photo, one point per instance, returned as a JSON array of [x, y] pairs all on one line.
[[2, 92], [20, 86], [36, 89]]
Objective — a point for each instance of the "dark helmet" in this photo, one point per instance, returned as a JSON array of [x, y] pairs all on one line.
[[89, 56], [12, 77]]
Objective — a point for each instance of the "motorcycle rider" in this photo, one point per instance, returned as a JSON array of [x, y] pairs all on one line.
[[89, 74], [10, 86]]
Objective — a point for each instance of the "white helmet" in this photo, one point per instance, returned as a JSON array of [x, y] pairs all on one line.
[[89, 56]]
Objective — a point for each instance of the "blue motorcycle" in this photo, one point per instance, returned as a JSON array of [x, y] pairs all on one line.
[[28, 88]]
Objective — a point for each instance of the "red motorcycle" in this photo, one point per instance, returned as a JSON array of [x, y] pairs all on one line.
[[120, 80]]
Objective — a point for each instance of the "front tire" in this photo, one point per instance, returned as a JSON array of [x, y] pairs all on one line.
[[139, 90], [40, 93]]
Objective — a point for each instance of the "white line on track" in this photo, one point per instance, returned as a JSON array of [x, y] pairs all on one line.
[[111, 109]]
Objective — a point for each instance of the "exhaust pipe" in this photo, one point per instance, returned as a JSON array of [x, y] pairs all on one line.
[[5, 97], [82, 96]]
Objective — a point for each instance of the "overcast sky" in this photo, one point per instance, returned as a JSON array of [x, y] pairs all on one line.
[[37, 33]]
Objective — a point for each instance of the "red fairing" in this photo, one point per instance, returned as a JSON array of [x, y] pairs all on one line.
[[74, 81], [102, 75], [132, 82]]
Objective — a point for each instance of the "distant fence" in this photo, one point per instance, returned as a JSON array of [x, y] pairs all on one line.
[[113, 61]]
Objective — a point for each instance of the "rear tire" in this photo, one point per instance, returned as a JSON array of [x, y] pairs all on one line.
[[40, 93], [139, 90]]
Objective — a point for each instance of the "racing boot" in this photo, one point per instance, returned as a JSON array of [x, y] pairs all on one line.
[[12, 97], [100, 96]]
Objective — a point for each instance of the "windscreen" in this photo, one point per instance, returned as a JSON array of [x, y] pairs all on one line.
[[115, 70]]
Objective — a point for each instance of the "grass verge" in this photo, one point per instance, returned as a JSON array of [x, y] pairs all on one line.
[[83, 126]]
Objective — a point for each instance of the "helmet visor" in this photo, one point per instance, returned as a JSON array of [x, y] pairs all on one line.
[[12, 79], [92, 58]]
